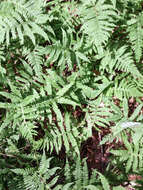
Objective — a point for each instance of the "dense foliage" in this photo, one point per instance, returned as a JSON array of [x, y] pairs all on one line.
[[71, 84]]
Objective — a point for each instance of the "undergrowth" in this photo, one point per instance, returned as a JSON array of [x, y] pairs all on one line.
[[71, 85]]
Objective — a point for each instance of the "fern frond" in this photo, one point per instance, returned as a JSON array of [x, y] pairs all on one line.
[[34, 178], [136, 35], [98, 22], [19, 19], [121, 60]]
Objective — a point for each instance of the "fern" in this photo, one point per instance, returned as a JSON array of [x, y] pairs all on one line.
[[98, 22], [36, 179], [70, 70], [80, 174], [120, 131], [135, 35], [81, 179], [21, 18], [123, 61]]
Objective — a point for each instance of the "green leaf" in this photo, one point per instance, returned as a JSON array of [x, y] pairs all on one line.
[[4, 105], [125, 107], [82, 56], [62, 100], [29, 99], [62, 91], [66, 187], [37, 29], [28, 31], [91, 187], [136, 112], [104, 182]]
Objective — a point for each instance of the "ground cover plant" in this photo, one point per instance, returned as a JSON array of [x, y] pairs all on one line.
[[71, 94]]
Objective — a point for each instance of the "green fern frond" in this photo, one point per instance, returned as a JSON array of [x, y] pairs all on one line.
[[136, 35], [98, 22], [121, 60], [36, 178], [19, 19]]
